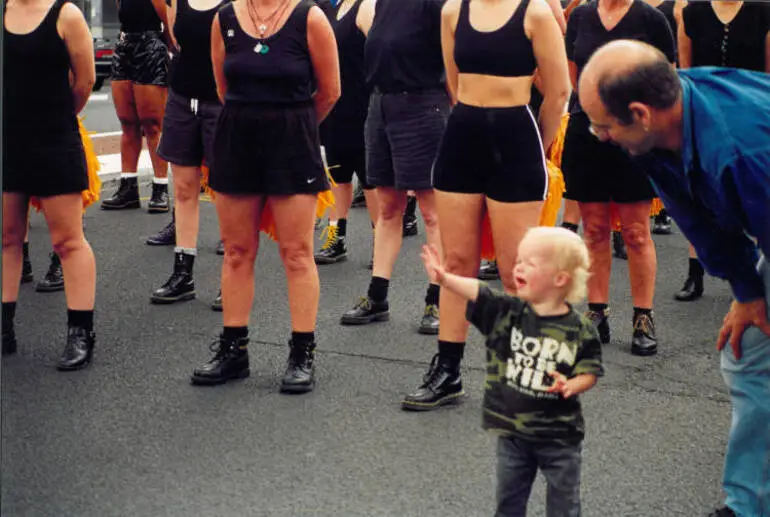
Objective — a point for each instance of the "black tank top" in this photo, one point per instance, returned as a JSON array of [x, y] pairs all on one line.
[[276, 69], [192, 74], [37, 100], [344, 127], [138, 16], [506, 52]]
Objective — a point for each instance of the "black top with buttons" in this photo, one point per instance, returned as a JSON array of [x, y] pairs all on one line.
[[738, 44]]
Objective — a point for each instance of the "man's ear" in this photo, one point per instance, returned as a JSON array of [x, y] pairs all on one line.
[[641, 114]]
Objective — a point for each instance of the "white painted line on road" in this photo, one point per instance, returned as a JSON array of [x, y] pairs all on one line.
[[104, 135], [98, 97], [110, 163]]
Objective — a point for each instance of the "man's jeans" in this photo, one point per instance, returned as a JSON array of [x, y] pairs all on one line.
[[517, 464], [747, 462]]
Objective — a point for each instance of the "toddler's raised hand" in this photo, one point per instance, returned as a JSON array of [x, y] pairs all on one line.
[[432, 262]]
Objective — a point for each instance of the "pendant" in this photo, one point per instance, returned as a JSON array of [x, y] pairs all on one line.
[[261, 49], [262, 28]]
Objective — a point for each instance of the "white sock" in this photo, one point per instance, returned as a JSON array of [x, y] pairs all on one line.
[[160, 181], [186, 251], [129, 174], [332, 223]]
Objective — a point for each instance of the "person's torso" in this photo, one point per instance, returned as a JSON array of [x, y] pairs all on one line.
[[37, 98], [138, 16], [276, 69], [738, 44], [345, 123], [193, 75], [403, 47], [521, 350], [506, 52]]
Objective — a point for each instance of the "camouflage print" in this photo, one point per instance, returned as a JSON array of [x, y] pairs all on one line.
[[522, 348]]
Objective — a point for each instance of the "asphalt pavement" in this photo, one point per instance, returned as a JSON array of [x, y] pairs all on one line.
[[130, 436]]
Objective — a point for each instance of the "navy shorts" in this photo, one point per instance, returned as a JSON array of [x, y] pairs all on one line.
[[403, 133], [343, 163], [189, 126], [142, 58]]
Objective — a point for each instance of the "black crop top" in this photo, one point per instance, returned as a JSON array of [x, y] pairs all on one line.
[[276, 69], [506, 52], [138, 16], [738, 44]]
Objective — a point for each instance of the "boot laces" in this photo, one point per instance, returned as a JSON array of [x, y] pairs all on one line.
[[431, 310], [596, 317], [330, 233], [433, 372], [54, 268], [364, 303], [643, 323]]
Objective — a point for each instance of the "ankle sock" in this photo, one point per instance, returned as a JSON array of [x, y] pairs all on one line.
[[235, 333], [378, 289], [342, 227], [128, 175], [570, 226], [160, 181], [451, 352], [8, 315], [302, 338], [431, 297], [695, 268], [193, 252], [81, 319], [598, 307]]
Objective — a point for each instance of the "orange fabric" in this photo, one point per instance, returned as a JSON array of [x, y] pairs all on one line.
[[267, 222], [657, 206], [552, 205], [91, 195]]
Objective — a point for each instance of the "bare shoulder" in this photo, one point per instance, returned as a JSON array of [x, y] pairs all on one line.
[[451, 11], [71, 14], [539, 11], [71, 22]]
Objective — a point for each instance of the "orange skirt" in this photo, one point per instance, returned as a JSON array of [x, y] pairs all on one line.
[[91, 195]]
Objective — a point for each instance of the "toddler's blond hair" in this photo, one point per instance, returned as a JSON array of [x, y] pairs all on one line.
[[569, 254]]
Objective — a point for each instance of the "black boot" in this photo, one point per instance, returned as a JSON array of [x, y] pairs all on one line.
[[54, 278], [159, 200], [26, 266], [488, 270], [127, 196], [180, 286], [9, 341], [78, 350], [693, 285], [430, 320], [644, 342], [334, 249], [619, 246], [410, 217], [441, 385], [723, 512], [358, 198], [221, 247], [600, 319], [661, 224], [300, 370], [366, 311], [165, 237], [230, 361], [216, 305]]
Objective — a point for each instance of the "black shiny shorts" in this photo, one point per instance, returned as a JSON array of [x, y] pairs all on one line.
[[142, 58]]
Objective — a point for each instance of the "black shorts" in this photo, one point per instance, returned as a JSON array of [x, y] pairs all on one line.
[[343, 163], [492, 151], [189, 126], [267, 149], [600, 172], [44, 164], [142, 58], [403, 133]]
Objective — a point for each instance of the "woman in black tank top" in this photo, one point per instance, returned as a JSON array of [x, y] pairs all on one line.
[[187, 141], [724, 34], [139, 89], [277, 73], [492, 155], [43, 157]]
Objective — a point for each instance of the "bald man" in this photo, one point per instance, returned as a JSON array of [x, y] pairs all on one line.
[[703, 135]]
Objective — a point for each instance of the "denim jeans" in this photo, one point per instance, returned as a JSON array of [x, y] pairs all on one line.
[[517, 465], [747, 462]]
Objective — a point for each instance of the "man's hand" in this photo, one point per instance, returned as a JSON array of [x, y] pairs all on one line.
[[741, 316]]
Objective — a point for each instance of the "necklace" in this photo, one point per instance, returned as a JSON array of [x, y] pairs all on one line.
[[263, 24]]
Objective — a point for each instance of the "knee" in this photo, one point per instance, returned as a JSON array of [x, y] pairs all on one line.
[[460, 264], [13, 238], [297, 257], [65, 246], [150, 127], [596, 235], [186, 191], [130, 126], [637, 236], [506, 278], [239, 256], [429, 217], [391, 211]]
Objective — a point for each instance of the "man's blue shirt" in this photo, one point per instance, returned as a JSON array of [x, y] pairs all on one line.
[[718, 188]]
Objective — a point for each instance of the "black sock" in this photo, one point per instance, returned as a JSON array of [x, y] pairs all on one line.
[[638, 311], [302, 338], [598, 307], [25, 250], [695, 269], [81, 319], [378, 289], [411, 207], [431, 298], [451, 352], [235, 333], [342, 227], [570, 226], [9, 313]]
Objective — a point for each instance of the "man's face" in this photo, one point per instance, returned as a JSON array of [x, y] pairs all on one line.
[[633, 138]]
